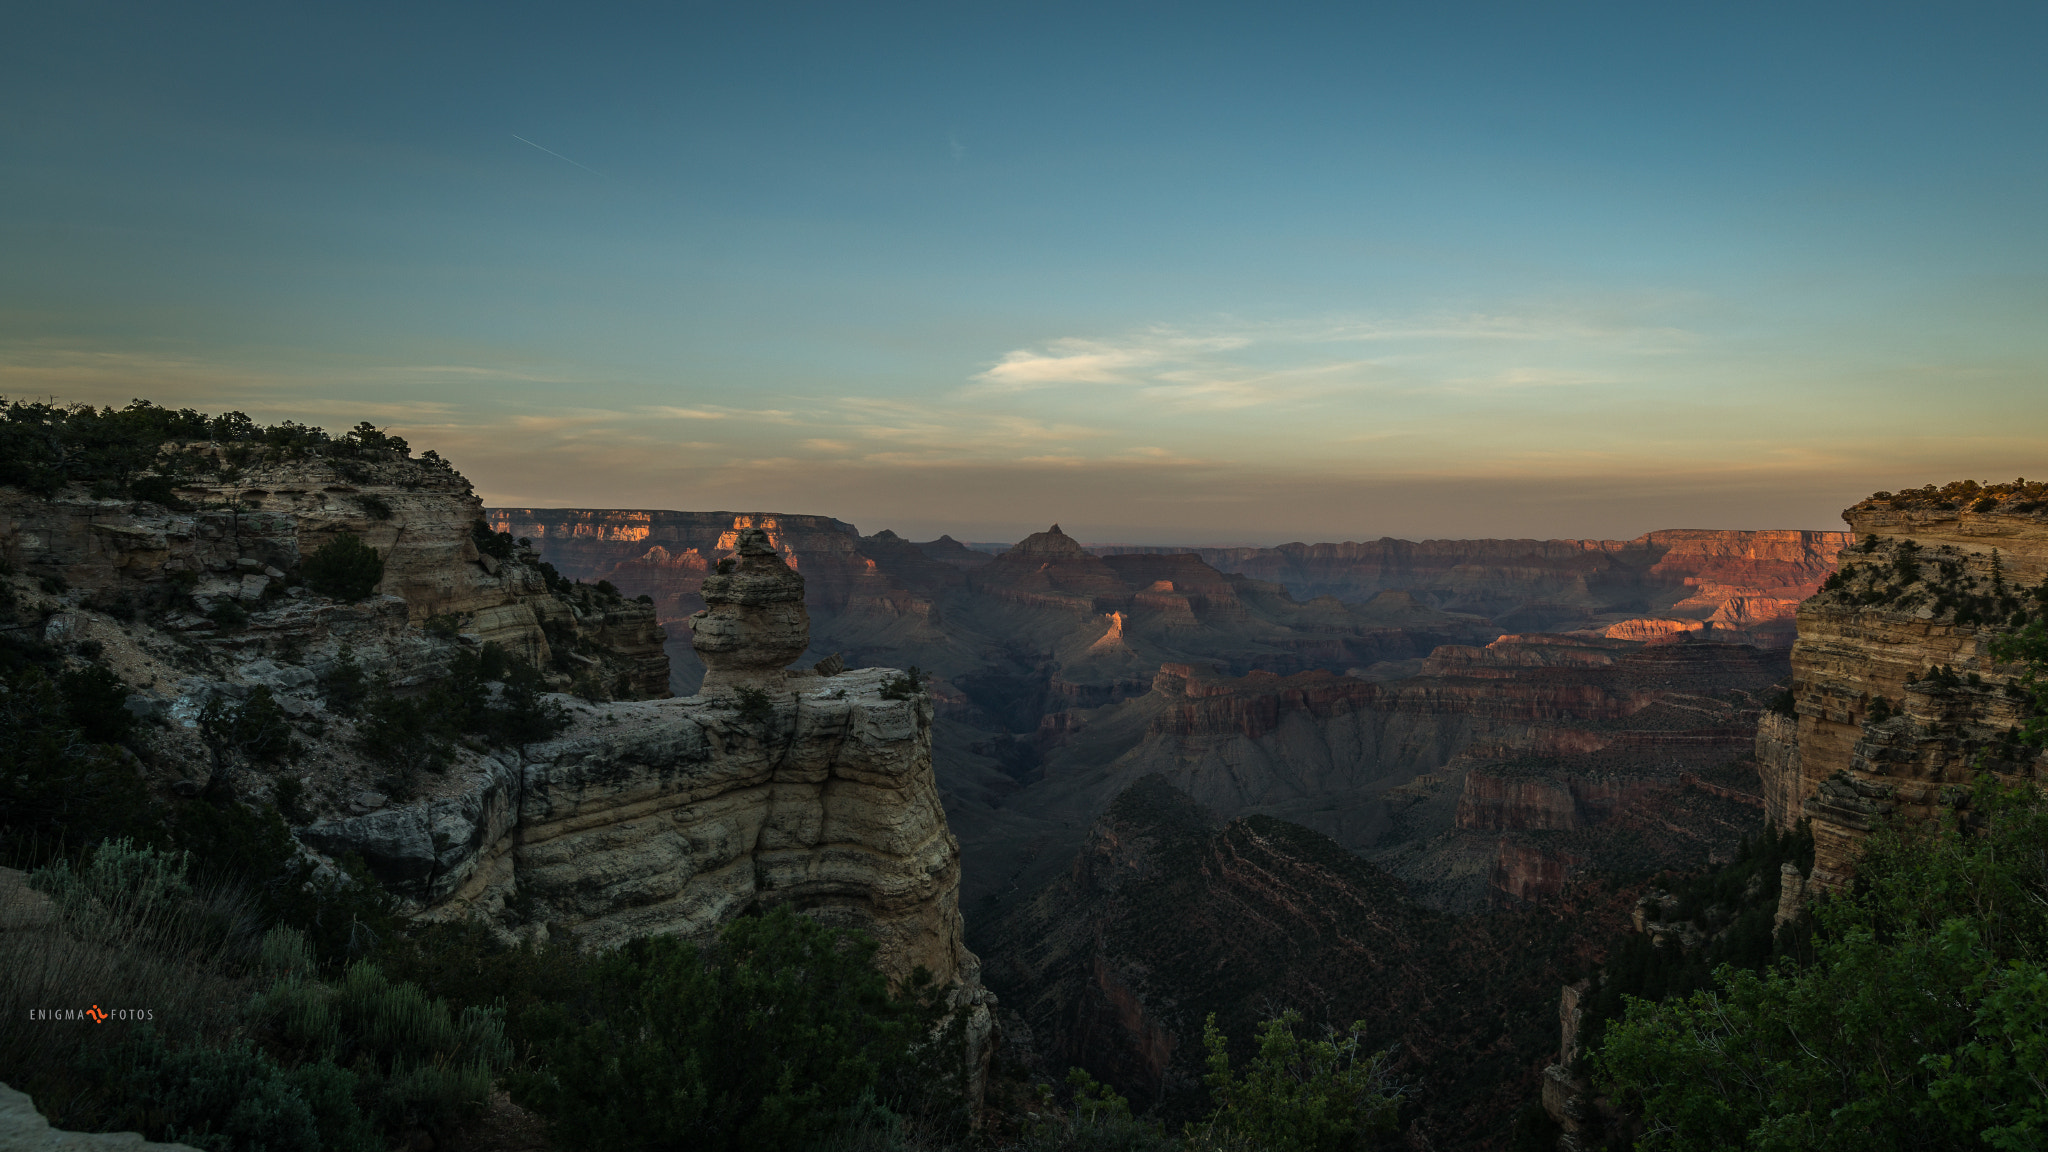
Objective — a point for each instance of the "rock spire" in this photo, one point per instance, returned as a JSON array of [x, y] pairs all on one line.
[[754, 622]]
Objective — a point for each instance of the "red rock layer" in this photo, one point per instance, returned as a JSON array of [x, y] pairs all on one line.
[[1745, 584]]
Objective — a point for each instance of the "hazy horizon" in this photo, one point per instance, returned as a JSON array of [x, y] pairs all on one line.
[[1200, 272]]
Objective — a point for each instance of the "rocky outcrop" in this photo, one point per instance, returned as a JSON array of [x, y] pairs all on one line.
[[882, 587], [23, 1129], [1898, 704], [243, 540], [753, 623], [674, 816]]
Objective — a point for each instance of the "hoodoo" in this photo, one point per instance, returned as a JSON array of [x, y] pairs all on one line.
[[754, 622]]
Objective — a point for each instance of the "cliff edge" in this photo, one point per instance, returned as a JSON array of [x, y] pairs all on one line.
[[1896, 704]]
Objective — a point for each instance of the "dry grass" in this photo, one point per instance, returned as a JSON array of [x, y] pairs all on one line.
[[180, 966]]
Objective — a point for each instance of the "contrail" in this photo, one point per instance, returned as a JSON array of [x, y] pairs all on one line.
[[556, 155]]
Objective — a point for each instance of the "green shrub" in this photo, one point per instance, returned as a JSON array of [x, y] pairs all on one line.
[[652, 1056], [253, 731], [418, 1062], [1099, 1121], [95, 699], [497, 545], [238, 1099], [1919, 1021], [905, 686], [375, 507], [59, 778], [754, 706], [344, 568], [408, 732], [1328, 1095], [344, 916], [343, 683], [158, 490]]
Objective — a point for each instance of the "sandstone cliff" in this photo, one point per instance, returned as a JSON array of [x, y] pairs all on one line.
[[1897, 704], [242, 539], [633, 817]]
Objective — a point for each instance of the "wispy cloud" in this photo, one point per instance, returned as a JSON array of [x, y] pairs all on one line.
[[685, 413], [1228, 364]]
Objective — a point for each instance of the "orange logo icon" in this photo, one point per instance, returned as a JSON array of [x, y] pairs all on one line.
[[98, 1016]]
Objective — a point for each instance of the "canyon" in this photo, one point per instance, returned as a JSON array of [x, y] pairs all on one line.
[[1355, 689], [1740, 587]]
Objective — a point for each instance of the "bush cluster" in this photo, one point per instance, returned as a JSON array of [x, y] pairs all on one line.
[[344, 568], [488, 695], [247, 1047], [44, 447], [1911, 1011], [1918, 1020], [2020, 496], [1904, 576]]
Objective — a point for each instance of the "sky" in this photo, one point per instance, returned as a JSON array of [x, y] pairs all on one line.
[[1163, 273]]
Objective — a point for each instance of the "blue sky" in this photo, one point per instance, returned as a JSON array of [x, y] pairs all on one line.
[[1187, 273]]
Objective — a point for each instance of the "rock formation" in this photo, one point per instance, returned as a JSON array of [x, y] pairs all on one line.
[[754, 622], [1897, 703], [237, 540], [640, 816], [674, 816]]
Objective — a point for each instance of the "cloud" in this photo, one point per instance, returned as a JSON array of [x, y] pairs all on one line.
[[1072, 360], [1229, 364]]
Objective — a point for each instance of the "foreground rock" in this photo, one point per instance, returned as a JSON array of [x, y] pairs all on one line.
[[23, 1129], [675, 816]]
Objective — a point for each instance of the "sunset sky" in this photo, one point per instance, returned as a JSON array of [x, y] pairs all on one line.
[[1161, 272]]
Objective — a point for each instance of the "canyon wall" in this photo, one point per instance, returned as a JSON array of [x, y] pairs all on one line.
[[1898, 704], [1497, 772], [1740, 586], [1165, 914]]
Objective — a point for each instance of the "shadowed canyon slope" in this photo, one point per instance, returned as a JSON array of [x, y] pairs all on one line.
[[1167, 914]]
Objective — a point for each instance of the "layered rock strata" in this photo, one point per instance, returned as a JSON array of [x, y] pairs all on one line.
[[242, 540], [1898, 705], [675, 816], [1500, 771], [1737, 586]]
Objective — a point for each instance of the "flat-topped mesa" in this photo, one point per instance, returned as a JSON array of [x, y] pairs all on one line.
[[754, 622]]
